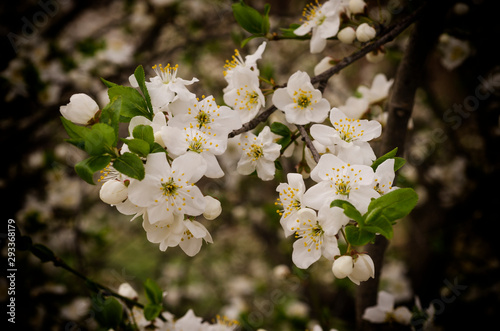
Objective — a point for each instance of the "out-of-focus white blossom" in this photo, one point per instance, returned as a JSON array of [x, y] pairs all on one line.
[[365, 32]]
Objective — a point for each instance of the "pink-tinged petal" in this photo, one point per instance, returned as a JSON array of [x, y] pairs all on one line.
[[303, 254], [191, 166]]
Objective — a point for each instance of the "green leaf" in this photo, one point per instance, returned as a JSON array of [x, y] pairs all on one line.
[[265, 19], [247, 17], [137, 146], [384, 157], [349, 210], [157, 148], [77, 133], [144, 132], [280, 129], [140, 76], [380, 225], [154, 294], [133, 103], [110, 115], [398, 163], [393, 205], [246, 40], [152, 311], [110, 314], [108, 84], [100, 140], [130, 165], [357, 236], [42, 252], [86, 168]]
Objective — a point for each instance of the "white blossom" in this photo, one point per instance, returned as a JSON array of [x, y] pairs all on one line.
[[113, 192], [323, 20], [259, 153], [290, 201], [363, 269], [342, 266], [384, 311], [300, 101], [315, 238], [347, 35], [80, 109], [245, 96]]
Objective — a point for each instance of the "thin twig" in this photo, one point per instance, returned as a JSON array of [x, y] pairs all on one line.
[[309, 144], [387, 35]]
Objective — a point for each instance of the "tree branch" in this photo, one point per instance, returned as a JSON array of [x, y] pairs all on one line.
[[399, 107], [309, 144], [387, 35]]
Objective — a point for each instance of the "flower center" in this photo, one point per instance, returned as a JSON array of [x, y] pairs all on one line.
[[196, 145], [203, 119], [236, 60], [312, 234], [303, 100], [311, 10], [347, 129], [342, 187], [167, 74], [255, 152], [169, 188]]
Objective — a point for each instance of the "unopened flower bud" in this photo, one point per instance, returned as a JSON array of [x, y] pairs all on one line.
[[357, 6], [365, 33], [342, 267], [212, 208], [375, 56], [347, 35], [363, 269], [80, 109], [113, 192], [127, 291], [323, 65]]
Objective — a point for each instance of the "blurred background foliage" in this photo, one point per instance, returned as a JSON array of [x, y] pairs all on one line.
[[52, 49]]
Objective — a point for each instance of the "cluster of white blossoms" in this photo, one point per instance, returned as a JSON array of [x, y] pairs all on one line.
[[168, 322], [343, 172], [334, 18]]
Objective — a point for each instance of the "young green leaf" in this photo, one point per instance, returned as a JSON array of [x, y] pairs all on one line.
[[110, 314], [86, 168], [77, 133], [157, 148], [154, 294], [384, 157], [100, 140], [349, 210], [280, 129], [398, 163], [393, 205], [130, 165], [107, 83], [133, 103], [152, 311], [247, 17], [110, 115], [144, 132], [357, 236], [140, 76], [137, 146]]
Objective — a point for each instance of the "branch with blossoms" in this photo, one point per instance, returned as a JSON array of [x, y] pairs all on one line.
[[175, 139]]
